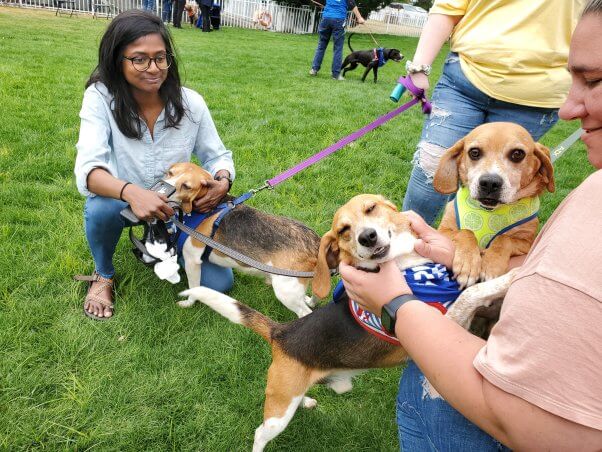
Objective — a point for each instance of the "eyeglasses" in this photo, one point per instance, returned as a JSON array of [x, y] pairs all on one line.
[[143, 63]]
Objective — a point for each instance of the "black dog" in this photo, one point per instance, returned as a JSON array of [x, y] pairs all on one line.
[[370, 59]]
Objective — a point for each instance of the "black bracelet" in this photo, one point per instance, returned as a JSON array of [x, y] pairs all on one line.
[[123, 188]]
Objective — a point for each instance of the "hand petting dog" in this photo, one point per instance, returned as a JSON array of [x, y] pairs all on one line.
[[216, 190], [373, 290]]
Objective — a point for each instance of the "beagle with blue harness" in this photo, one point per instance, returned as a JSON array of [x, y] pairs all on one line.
[[270, 239], [340, 340]]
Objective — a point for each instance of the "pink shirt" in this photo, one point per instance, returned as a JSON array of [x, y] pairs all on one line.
[[547, 346]]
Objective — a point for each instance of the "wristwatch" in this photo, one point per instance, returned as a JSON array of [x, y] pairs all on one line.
[[389, 312], [412, 68], [228, 178]]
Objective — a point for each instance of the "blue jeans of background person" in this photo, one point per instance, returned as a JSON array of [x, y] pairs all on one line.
[[148, 5], [104, 224], [166, 12], [459, 107], [327, 28], [431, 424]]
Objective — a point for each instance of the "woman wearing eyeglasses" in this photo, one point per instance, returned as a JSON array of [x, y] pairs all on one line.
[[137, 120]]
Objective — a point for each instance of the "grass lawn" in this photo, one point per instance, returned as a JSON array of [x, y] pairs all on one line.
[[157, 377]]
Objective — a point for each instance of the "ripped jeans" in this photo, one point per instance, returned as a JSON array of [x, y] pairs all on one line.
[[431, 424], [459, 107]]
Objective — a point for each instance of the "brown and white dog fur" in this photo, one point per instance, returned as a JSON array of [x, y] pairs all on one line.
[[500, 163], [270, 239], [328, 346]]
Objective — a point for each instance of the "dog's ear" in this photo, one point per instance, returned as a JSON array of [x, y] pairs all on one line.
[[446, 176], [388, 203], [546, 169], [328, 257]]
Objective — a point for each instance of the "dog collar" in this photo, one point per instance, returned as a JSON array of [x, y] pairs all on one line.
[[488, 224]]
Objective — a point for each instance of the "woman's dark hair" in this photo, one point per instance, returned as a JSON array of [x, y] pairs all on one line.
[[124, 29], [593, 6]]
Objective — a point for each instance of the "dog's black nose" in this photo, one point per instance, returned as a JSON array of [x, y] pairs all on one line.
[[490, 184], [368, 237]]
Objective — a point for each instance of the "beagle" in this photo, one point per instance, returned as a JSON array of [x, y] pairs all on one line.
[[501, 172], [270, 239], [329, 346]]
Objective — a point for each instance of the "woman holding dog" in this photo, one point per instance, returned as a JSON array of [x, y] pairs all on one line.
[[535, 383], [507, 63], [137, 120]]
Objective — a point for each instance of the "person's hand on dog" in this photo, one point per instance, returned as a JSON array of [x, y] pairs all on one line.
[[216, 190], [374, 290], [431, 243], [420, 80], [147, 204]]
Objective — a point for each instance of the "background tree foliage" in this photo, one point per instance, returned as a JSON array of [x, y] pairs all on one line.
[[365, 6]]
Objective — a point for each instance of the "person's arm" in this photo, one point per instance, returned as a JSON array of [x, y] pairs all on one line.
[[358, 16], [146, 204], [436, 31], [213, 156], [445, 352]]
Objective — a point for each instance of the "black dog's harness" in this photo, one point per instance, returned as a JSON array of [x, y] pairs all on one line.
[[379, 55]]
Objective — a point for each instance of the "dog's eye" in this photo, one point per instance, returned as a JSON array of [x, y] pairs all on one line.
[[370, 208], [170, 173], [186, 186], [516, 155], [474, 153], [344, 229]]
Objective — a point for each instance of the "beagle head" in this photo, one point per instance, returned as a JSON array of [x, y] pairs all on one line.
[[365, 232], [499, 163], [187, 178]]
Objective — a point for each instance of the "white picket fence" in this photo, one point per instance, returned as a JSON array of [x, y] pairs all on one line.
[[241, 14], [280, 18], [397, 22]]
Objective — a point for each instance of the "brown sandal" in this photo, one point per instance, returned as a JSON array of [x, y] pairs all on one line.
[[95, 296]]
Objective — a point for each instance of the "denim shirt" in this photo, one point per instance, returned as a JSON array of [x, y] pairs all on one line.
[[143, 161]]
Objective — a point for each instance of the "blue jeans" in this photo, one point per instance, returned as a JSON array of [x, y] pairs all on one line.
[[148, 5], [431, 424], [166, 13], [459, 107], [327, 28], [104, 224]]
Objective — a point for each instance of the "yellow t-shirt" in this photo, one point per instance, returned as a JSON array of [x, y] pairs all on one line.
[[515, 51]]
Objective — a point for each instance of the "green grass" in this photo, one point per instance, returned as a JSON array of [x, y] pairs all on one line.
[[157, 377]]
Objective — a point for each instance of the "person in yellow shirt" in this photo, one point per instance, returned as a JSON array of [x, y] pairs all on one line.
[[507, 63]]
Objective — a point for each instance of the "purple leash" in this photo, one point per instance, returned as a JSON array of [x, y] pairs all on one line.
[[406, 83]]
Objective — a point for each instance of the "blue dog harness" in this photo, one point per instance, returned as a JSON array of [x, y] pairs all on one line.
[[379, 55], [194, 219], [430, 283]]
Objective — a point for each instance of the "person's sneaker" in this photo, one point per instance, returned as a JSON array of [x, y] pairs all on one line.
[[339, 78], [313, 72]]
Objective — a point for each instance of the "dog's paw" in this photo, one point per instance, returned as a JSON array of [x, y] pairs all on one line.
[[311, 301], [463, 310], [467, 266], [492, 266], [188, 303], [309, 403], [341, 386]]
